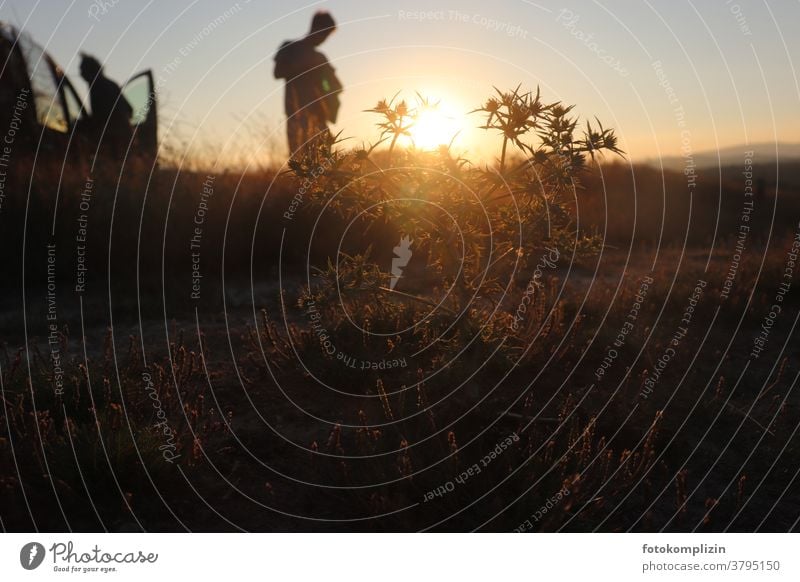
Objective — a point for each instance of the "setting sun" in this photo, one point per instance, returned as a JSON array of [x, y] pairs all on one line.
[[436, 124], [308, 268]]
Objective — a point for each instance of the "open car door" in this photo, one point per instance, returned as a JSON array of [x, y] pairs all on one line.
[[30, 76], [141, 95], [51, 125]]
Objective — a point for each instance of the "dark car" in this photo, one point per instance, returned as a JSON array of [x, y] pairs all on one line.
[[41, 110]]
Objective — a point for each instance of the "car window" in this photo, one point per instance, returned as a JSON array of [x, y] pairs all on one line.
[[49, 108], [74, 105], [13, 75], [138, 93]]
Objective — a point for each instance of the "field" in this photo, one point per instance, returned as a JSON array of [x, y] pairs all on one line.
[[575, 343]]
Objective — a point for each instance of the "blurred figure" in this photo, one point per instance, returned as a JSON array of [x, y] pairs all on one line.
[[110, 119], [312, 89]]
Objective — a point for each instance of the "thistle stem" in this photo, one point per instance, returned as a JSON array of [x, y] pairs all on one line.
[[503, 154]]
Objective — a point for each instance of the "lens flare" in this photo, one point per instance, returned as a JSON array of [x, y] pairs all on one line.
[[435, 125]]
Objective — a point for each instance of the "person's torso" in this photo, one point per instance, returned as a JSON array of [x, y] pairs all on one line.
[[108, 103], [306, 71]]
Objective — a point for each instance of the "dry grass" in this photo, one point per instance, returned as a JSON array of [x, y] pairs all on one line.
[[263, 445]]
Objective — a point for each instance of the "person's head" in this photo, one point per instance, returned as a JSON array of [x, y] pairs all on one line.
[[90, 68], [322, 25]]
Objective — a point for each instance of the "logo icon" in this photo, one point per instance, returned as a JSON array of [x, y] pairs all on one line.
[[402, 255], [31, 555]]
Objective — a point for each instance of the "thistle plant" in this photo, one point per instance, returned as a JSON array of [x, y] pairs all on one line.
[[559, 152], [398, 119], [496, 225]]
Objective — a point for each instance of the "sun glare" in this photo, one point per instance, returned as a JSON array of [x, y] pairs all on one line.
[[435, 125]]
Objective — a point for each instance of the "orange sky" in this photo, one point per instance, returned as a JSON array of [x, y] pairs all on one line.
[[661, 74]]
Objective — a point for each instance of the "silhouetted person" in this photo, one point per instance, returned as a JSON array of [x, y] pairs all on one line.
[[110, 118], [312, 89]]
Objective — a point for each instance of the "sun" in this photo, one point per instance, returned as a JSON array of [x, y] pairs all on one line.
[[435, 124]]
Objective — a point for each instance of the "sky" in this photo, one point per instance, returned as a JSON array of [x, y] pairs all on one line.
[[669, 76]]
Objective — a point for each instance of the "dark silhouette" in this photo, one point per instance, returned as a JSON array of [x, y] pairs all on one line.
[[312, 89], [111, 113]]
